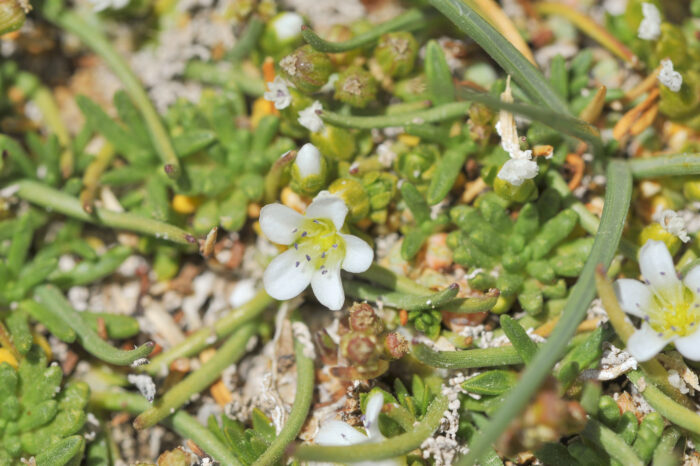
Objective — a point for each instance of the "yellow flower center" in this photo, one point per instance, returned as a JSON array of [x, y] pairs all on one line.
[[674, 313], [319, 243]]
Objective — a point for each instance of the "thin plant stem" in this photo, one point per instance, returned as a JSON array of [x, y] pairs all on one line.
[[529, 78], [58, 201], [181, 422], [589, 27], [93, 37], [91, 177], [611, 443], [664, 454], [665, 165], [300, 408], [467, 359], [54, 301], [409, 20], [197, 341], [230, 352], [677, 414], [617, 201], [390, 448]]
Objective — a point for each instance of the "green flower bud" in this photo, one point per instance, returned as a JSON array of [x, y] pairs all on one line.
[[671, 45], [12, 14], [685, 102], [356, 87], [353, 193], [362, 351], [309, 171], [691, 190], [336, 143], [524, 192], [416, 163], [381, 189], [307, 69], [282, 33], [396, 53], [656, 232], [412, 89]]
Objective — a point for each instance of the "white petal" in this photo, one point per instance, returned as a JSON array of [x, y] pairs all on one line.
[[326, 205], [358, 254], [656, 265], [689, 346], [373, 408], [634, 296], [338, 433], [288, 25], [692, 280], [645, 343], [308, 160], [284, 279], [516, 171], [328, 288], [278, 223]]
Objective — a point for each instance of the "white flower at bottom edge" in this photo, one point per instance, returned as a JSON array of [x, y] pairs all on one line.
[[278, 93], [309, 119], [669, 308], [338, 433], [317, 252]]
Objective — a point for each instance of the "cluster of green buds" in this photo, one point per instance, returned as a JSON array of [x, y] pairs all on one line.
[[37, 417], [381, 189], [365, 345], [528, 258]]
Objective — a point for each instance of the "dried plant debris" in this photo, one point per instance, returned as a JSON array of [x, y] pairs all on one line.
[[349, 232]]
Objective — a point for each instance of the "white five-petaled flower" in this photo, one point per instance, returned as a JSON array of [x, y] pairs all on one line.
[[309, 119], [308, 160], [650, 27], [520, 167], [668, 77], [278, 92], [338, 433], [672, 223], [317, 252], [669, 308]]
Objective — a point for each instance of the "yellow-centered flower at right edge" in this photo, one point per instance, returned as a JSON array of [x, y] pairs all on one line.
[[669, 308]]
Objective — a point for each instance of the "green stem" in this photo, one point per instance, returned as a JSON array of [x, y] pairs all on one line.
[[58, 201], [611, 443], [300, 409], [222, 75], [54, 301], [677, 414], [617, 201], [390, 448], [664, 454], [399, 283], [364, 291], [197, 341], [468, 359], [588, 220], [503, 52], [409, 20], [230, 352], [431, 115], [182, 423], [589, 27], [91, 177], [666, 165], [92, 37]]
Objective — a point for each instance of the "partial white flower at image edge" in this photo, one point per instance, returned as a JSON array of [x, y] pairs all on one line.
[[338, 433], [317, 250], [669, 308]]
